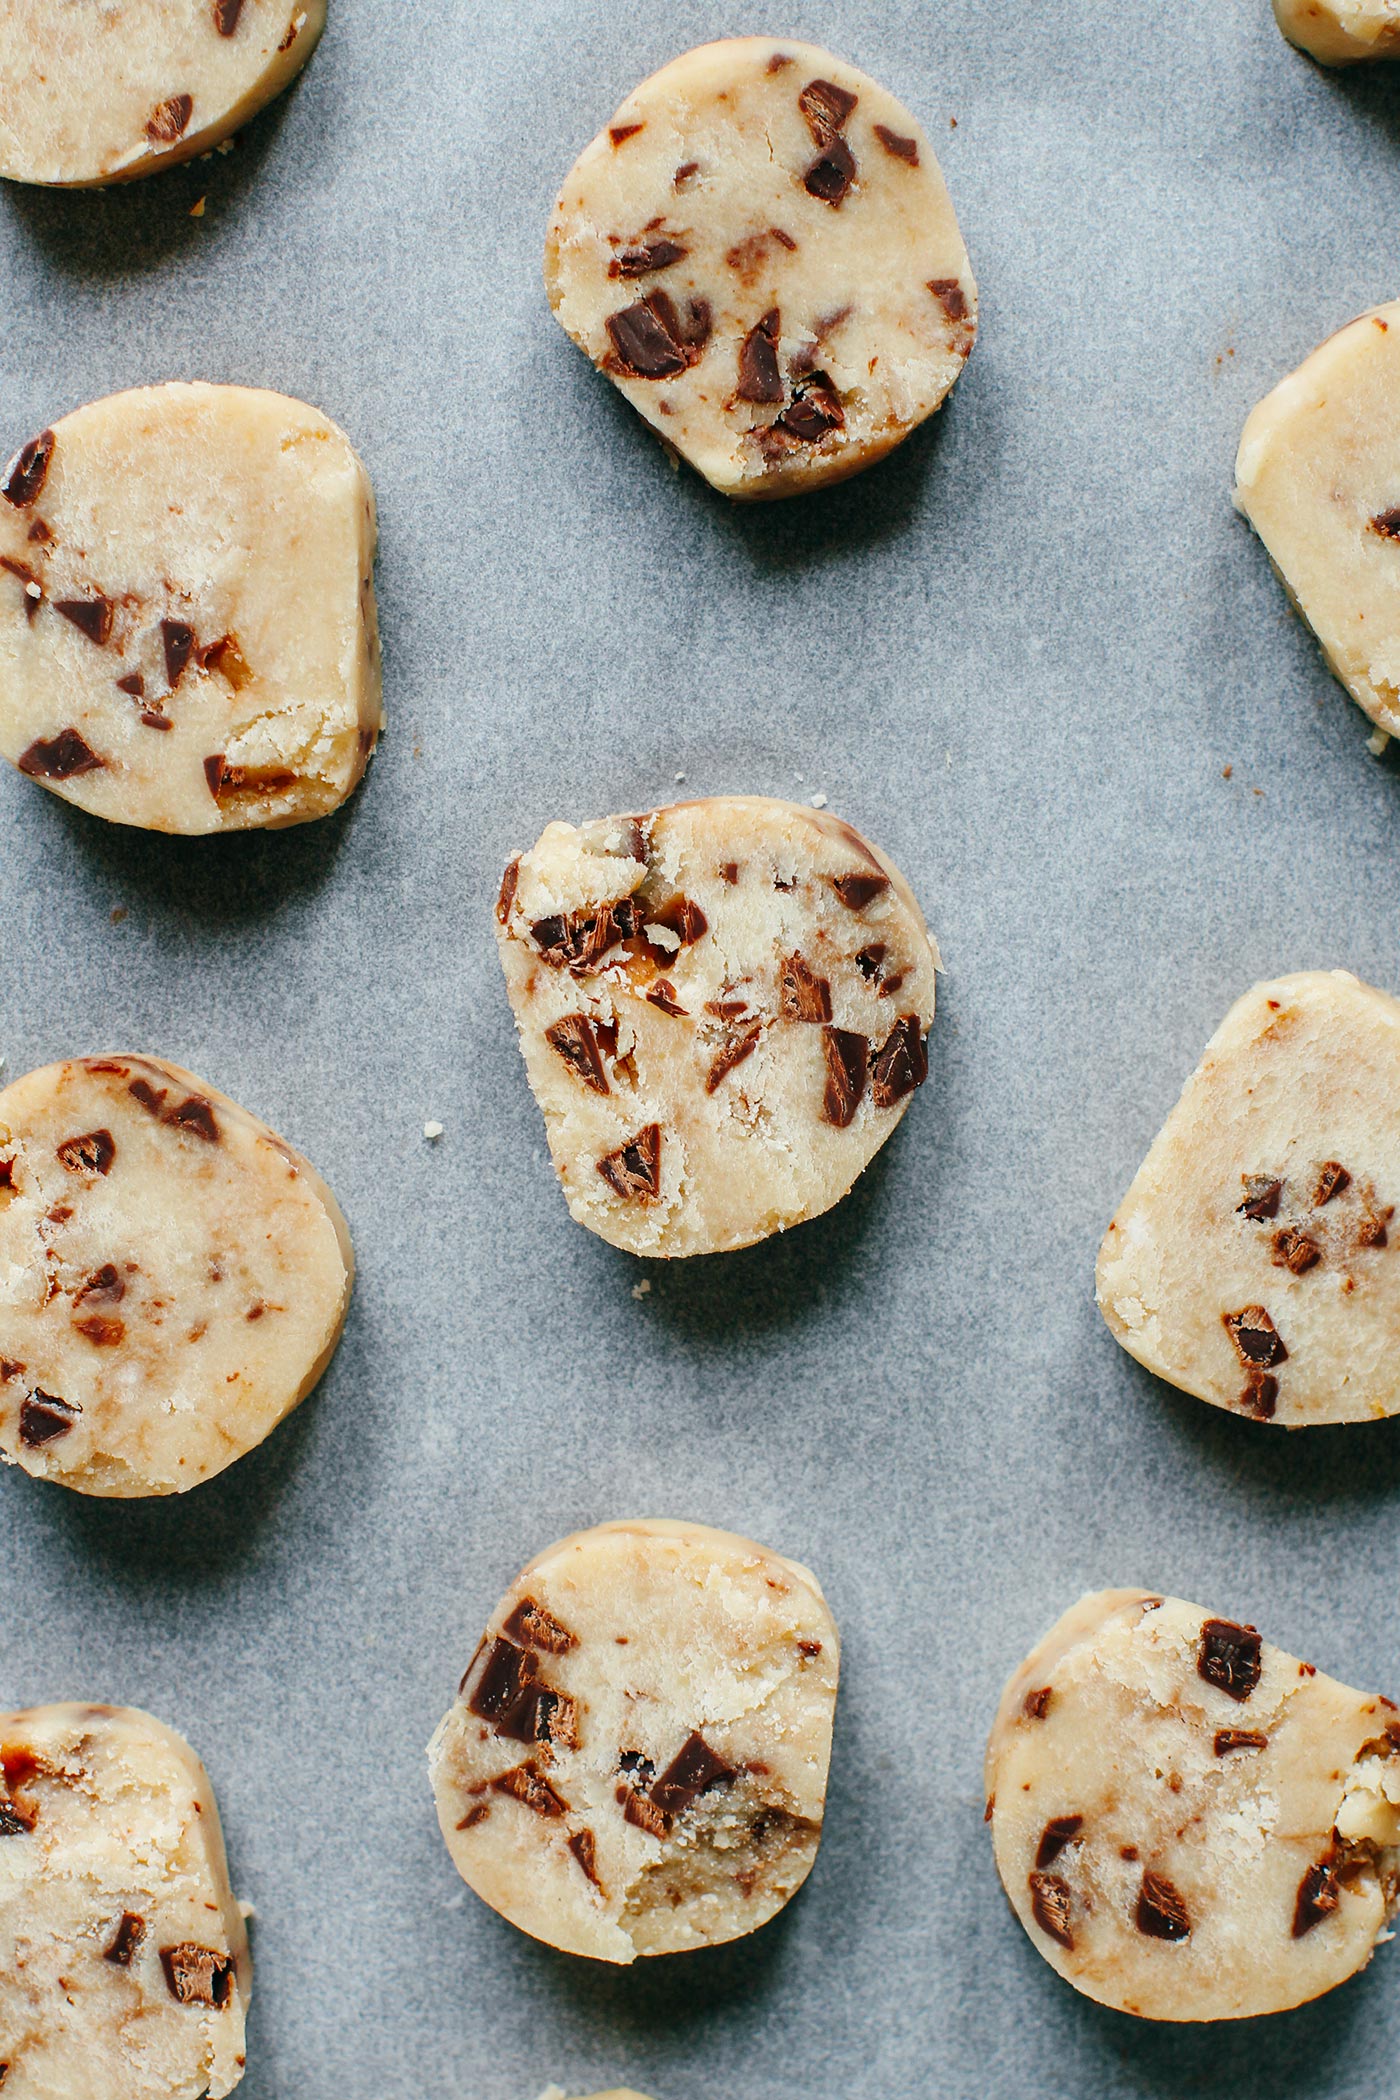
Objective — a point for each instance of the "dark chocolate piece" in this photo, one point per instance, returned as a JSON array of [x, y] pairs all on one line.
[[1261, 1198], [847, 1059], [1294, 1250], [620, 133], [1230, 1657], [856, 891], [645, 1814], [663, 994], [1052, 1906], [951, 297], [1255, 1337], [169, 120], [1319, 1893], [63, 757], [1161, 1909], [33, 588], [28, 471], [1056, 1835], [681, 917], [1332, 1178], [826, 108], [831, 176], [179, 641], [634, 1170], [1387, 524], [733, 1053], [1036, 1705], [196, 1115], [528, 1785], [534, 1627], [649, 338], [692, 1771], [759, 377], [91, 1154], [14, 1820], [814, 410], [894, 142], [505, 1679], [645, 257], [802, 995], [584, 1847], [1228, 1739], [575, 1039], [1259, 1395], [900, 1064], [198, 1975], [225, 779], [581, 939], [133, 684], [126, 1940], [105, 1286], [510, 882], [91, 616], [43, 1418], [226, 13]]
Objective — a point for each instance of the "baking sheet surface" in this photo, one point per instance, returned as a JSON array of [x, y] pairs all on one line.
[[1024, 655]]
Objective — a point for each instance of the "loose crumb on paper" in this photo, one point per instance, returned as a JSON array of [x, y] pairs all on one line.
[[197, 209], [642, 1290], [1377, 741], [818, 801], [432, 1132]]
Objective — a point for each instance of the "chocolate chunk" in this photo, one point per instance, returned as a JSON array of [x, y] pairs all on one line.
[[179, 640], [576, 1040], [126, 1940], [1261, 1197], [826, 108], [680, 917], [692, 1772], [684, 172], [634, 1170], [534, 1627], [1332, 1178], [579, 940], [226, 13], [198, 1975], [1229, 1657], [900, 1064], [649, 339], [16, 1821], [227, 659], [1319, 1893], [1055, 1836], [1036, 1705], [759, 377], [225, 779], [22, 573], [133, 684], [1228, 1739], [869, 960], [63, 757], [91, 616], [92, 1154], [168, 120], [1052, 1906], [475, 1815], [105, 1286], [504, 1681], [584, 1847], [151, 1099], [1373, 1230], [1387, 524], [43, 1418], [196, 1115], [809, 1648], [152, 718], [619, 133], [1161, 1909], [645, 257], [510, 883], [814, 410], [831, 176], [802, 995], [28, 471], [102, 1332], [847, 1057], [733, 1053], [951, 297], [856, 891], [1256, 1339], [663, 994], [528, 1785], [902, 148], [1259, 1394], [1294, 1250], [645, 1814]]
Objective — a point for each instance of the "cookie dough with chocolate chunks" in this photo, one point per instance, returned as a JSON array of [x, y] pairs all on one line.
[[760, 252], [188, 637], [124, 1968], [173, 1277], [722, 1007], [1254, 1261], [93, 93], [1318, 477], [636, 1763], [1191, 1824], [1342, 32]]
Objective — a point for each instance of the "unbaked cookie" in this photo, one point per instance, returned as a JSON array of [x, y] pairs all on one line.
[[94, 92], [1253, 1261], [1318, 477], [188, 638], [636, 1763], [124, 1968], [760, 252], [1342, 32], [1191, 1824], [723, 1008], [173, 1277]]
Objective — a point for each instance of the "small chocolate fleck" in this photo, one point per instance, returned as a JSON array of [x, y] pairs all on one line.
[[226, 13], [226, 659], [634, 1169], [644, 1813], [104, 1287], [580, 939], [196, 1115], [1056, 1835], [900, 1064], [1319, 1893], [528, 1785], [575, 1039], [28, 470], [802, 995], [1294, 1250], [1161, 1909], [63, 757], [475, 1815], [584, 1847], [663, 994], [179, 641], [1228, 1739], [149, 1097], [1387, 524], [169, 119], [133, 684], [1332, 1178], [826, 108], [951, 297], [1036, 1705], [510, 883], [1051, 1906], [759, 377], [646, 257], [856, 891], [1230, 1657], [730, 872], [102, 1331], [1259, 1394], [733, 1053], [831, 176], [91, 616], [1261, 1199], [91, 1154], [1256, 1339], [126, 1940], [534, 1627], [894, 142], [692, 1771], [847, 1059], [152, 718], [684, 172], [198, 1975], [809, 1648], [777, 62], [620, 133]]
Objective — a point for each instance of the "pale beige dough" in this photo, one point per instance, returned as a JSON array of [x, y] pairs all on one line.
[[1255, 1260], [1342, 32], [1318, 477], [173, 1277], [1191, 1824], [188, 636], [124, 1967], [636, 1763], [99, 91], [722, 1007], [760, 252]]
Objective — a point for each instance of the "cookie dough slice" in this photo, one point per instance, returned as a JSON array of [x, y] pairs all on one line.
[[1318, 477], [94, 93], [760, 252], [1191, 1824], [1342, 32], [188, 637], [124, 1968], [723, 1008], [636, 1763], [173, 1277], [1253, 1261]]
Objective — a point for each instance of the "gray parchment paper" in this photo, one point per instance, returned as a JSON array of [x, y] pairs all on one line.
[[1021, 654]]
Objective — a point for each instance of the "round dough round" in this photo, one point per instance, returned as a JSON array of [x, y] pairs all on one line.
[[173, 1277], [759, 250], [636, 1763]]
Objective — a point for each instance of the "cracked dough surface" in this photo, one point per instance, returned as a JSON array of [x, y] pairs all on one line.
[[1342, 32], [124, 1966], [1190, 1823], [1318, 477], [99, 91], [761, 253], [1255, 1260], [188, 634], [173, 1277], [722, 1008], [636, 1763]]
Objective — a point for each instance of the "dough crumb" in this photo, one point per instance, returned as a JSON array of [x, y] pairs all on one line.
[[643, 1289], [432, 1132], [197, 208], [1377, 741], [818, 801]]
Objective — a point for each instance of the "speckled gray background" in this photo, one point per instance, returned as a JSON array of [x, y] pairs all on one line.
[[1021, 654]]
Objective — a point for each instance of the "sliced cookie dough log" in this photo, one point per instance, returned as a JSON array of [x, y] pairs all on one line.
[[1342, 32], [1252, 1262], [636, 1763], [760, 252], [188, 636], [94, 93], [1318, 477], [124, 1968], [1191, 1824], [722, 1007], [173, 1277]]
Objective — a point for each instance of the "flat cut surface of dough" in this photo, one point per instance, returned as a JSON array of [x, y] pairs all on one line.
[[1191, 1824], [1318, 477], [761, 253], [1342, 32], [98, 91], [188, 634], [173, 1277], [124, 1966], [1255, 1260], [637, 1760], [722, 1007]]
